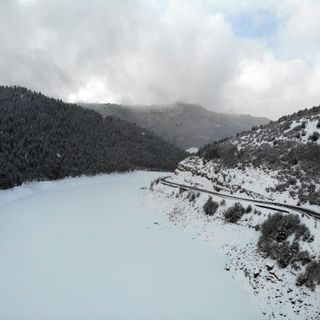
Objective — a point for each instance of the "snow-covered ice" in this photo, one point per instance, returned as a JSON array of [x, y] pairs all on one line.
[[98, 248]]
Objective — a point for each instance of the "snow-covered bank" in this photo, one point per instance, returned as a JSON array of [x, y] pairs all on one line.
[[273, 289], [99, 248]]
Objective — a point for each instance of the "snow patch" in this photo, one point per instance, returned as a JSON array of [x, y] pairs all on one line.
[[192, 150]]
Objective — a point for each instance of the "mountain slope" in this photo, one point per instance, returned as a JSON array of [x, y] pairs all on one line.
[[231, 194], [44, 138], [286, 153], [182, 124]]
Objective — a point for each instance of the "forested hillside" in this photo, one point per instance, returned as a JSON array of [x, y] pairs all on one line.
[[43, 138], [185, 125]]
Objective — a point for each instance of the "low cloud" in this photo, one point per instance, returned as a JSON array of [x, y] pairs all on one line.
[[258, 59]]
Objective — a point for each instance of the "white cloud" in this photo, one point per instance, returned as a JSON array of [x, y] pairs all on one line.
[[301, 33], [144, 52], [273, 86]]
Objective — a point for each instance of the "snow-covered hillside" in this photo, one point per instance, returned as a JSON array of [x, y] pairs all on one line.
[[100, 248], [229, 194], [287, 151], [273, 289]]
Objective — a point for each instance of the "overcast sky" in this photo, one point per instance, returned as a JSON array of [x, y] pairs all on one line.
[[256, 57]]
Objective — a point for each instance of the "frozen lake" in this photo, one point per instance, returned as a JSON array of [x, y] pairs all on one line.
[[96, 248]]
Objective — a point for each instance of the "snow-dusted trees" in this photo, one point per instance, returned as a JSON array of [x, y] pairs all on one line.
[[43, 138]]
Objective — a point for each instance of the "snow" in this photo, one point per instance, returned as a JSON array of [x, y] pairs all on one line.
[[192, 150], [311, 127], [267, 135], [230, 181], [273, 291], [293, 125], [102, 248], [252, 182]]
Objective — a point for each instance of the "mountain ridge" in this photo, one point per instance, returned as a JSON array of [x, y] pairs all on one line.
[[185, 125]]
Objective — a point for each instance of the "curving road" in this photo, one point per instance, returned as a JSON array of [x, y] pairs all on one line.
[[260, 203]]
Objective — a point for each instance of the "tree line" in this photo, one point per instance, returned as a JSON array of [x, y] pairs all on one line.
[[43, 138]]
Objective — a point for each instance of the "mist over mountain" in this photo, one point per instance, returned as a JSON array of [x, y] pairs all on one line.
[[185, 125], [46, 139]]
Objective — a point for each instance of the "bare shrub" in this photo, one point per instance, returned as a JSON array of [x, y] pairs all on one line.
[[210, 207], [279, 226], [191, 196], [315, 136], [311, 277], [234, 213], [273, 240]]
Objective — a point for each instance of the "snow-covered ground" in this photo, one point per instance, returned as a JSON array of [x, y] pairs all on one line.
[[192, 150], [102, 248], [273, 289], [253, 183]]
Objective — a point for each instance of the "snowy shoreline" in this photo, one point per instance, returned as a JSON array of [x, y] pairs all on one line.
[[100, 247], [274, 291]]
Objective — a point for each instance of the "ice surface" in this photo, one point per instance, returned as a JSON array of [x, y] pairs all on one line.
[[96, 248]]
